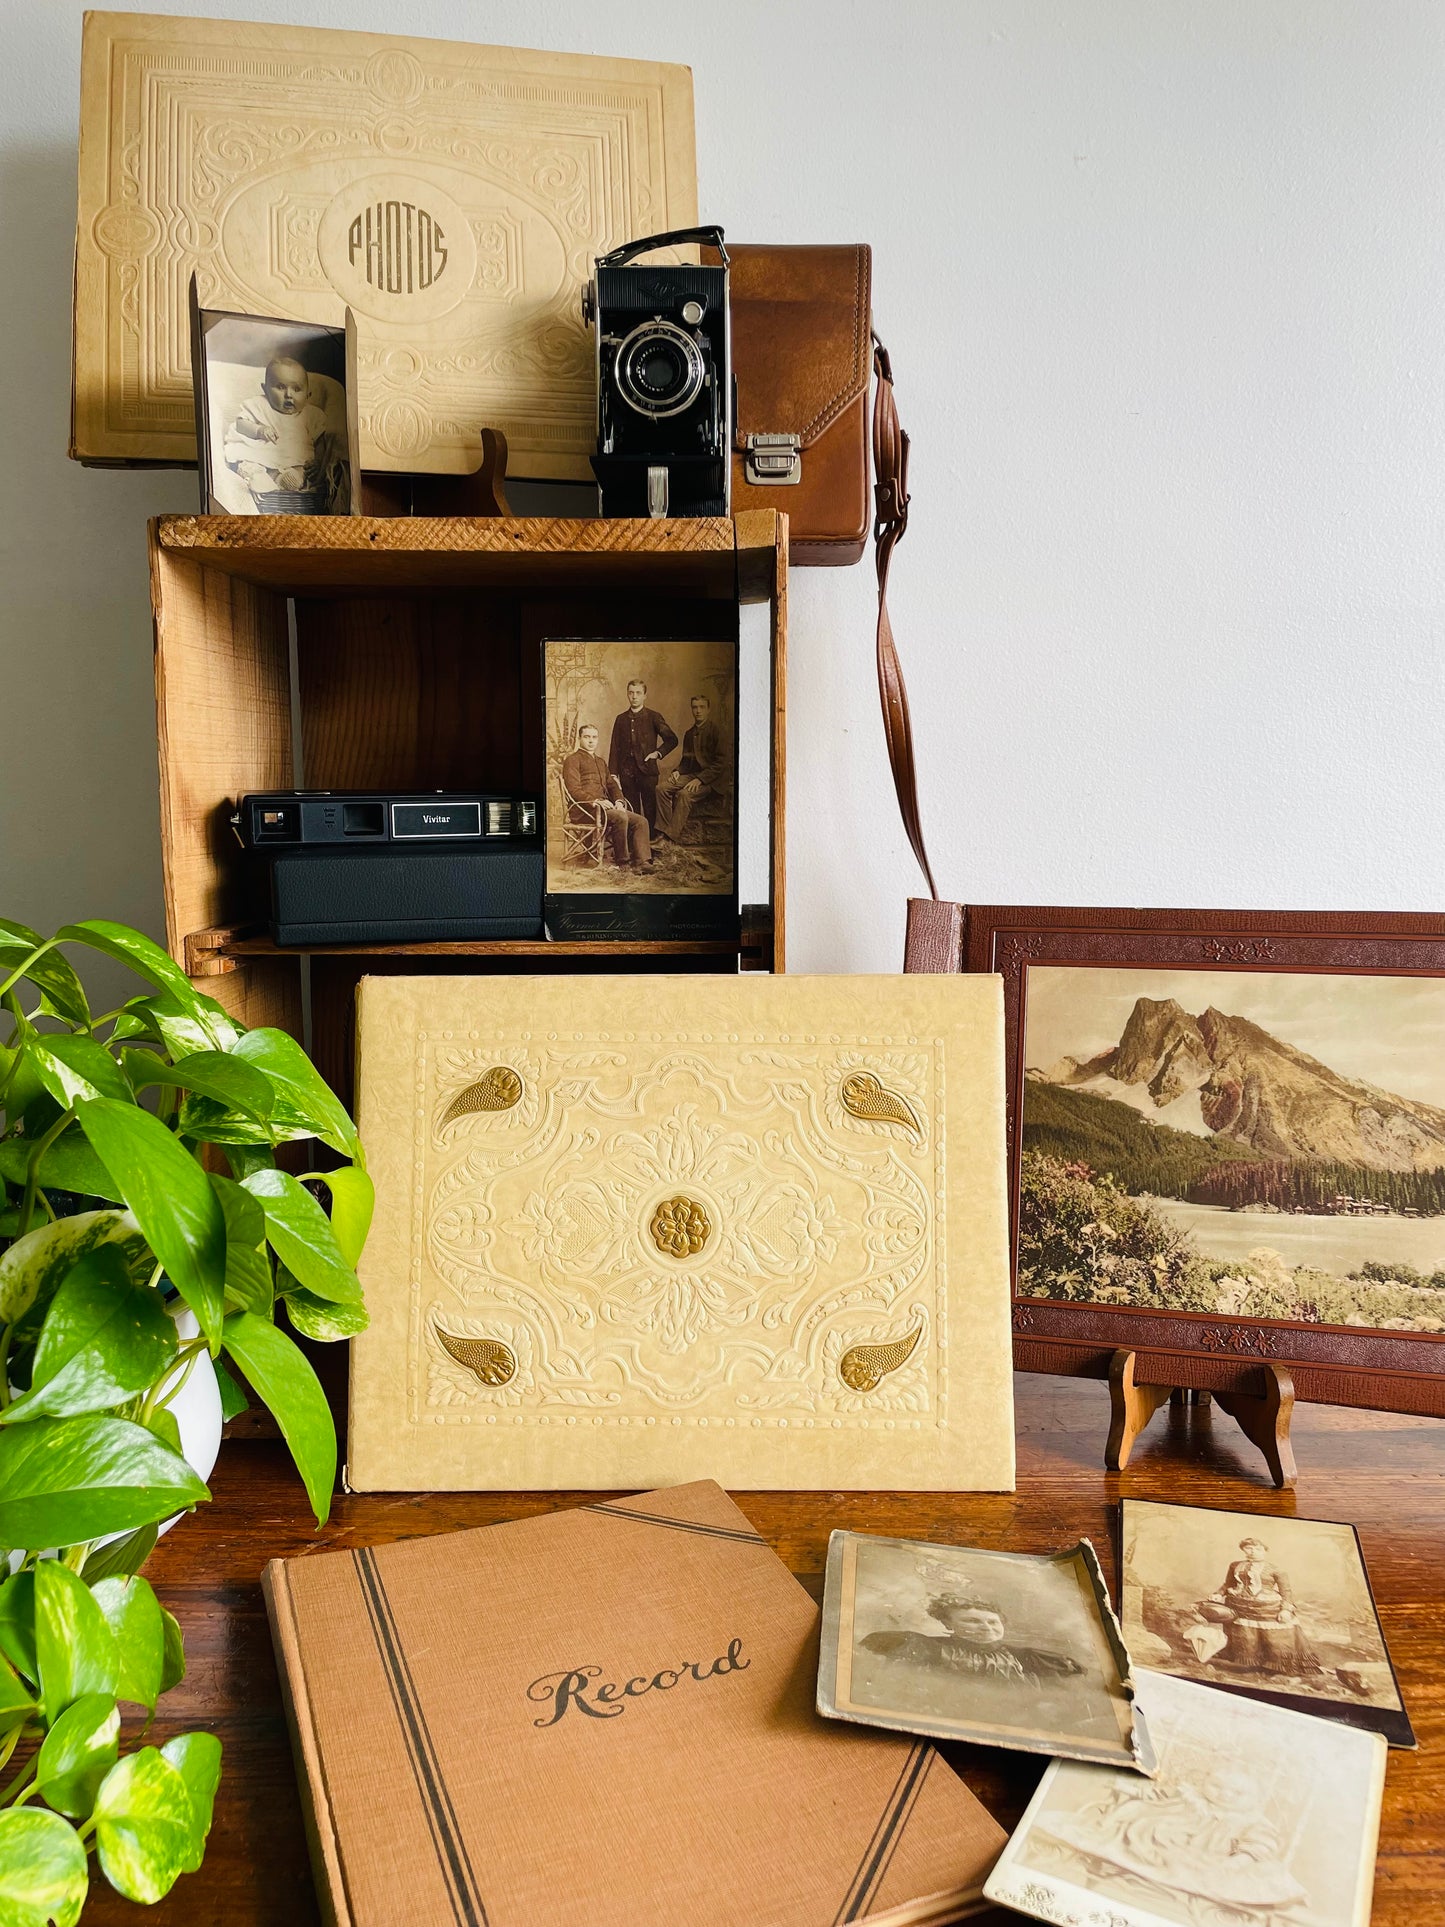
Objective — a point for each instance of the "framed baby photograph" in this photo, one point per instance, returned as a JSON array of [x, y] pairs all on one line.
[[276, 423], [1008, 1649], [1280, 1609], [641, 789], [1255, 1815], [1227, 1144]]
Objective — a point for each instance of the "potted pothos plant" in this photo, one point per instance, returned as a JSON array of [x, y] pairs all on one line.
[[147, 1237]]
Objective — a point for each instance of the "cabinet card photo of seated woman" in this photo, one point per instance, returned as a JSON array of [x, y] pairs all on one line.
[[1277, 1608]]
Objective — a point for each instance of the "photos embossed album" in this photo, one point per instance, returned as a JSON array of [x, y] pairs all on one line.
[[603, 1715], [631, 1231]]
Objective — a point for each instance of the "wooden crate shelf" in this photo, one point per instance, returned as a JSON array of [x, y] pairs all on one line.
[[216, 953], [404, 653]]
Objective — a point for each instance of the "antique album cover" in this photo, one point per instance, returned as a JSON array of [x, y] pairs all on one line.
[[1277, 1608], [642, 780], [605, 1716], [635, 1229], [453, 196], [1000, 1648], [1257, 1815]]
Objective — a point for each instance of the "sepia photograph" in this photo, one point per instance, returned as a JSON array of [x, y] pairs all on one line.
[[1256, 1817], [641, 768], [1257, 1144], [1005, 1649], [1278, 1608], [275, 422]]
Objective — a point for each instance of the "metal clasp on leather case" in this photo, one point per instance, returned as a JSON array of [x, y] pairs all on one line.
[[773, 458]]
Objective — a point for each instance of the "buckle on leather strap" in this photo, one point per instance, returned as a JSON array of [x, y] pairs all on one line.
[[774, 459]]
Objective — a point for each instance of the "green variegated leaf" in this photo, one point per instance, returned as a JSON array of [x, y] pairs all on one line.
[[353, 1199], [146, 1830], [104, 1339], [68, 1165], [51, 974], [248, 1268], [197, 1758], [32, 1268], [17, 1702], [173, 1665], [148, 960], [171, 1199], [77, 1753], [233, 1400], [317, 1319], [279, 1374], [74, 1647], [64, 1480], [71, 1066], [200, 1025], [302, 1094], [162, 1422], [215, 1074], [133, 1614], [121, 1556], [300, 1234], [17, 1624], [246, 1158], [44, 1874]]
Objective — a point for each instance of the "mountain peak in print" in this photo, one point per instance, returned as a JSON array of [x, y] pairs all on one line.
[[1224, 1075]]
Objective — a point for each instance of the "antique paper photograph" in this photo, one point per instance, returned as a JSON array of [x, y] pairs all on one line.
[[1279, 1608], [272, 404], [641, 767], [1256, 1144], [1005, 1649], [1257, 1817]]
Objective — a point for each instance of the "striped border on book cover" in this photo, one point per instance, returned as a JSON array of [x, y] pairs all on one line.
[[884, 1843], [468, 1907]]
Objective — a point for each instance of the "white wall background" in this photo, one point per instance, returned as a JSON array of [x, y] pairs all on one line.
[[1164, 285]]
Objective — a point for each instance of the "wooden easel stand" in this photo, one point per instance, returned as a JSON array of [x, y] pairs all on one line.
[[1263, 1417]]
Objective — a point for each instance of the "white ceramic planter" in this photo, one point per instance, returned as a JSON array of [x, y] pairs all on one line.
[[197, 1406]]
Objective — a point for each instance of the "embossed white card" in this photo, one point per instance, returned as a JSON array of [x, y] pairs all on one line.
[[454, 197], [633, 1230]]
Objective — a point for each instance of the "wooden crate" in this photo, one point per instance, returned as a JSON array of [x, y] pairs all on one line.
[[416, 666]]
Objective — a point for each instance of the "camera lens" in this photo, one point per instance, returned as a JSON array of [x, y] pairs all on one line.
[[660, 369]]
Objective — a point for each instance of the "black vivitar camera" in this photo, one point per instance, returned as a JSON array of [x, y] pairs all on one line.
[[665, 392], [371, 867]]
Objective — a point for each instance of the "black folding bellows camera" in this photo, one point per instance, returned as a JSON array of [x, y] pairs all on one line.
[[664, 380]]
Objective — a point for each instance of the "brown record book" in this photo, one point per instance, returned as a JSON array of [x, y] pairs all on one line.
[[605, 1715]]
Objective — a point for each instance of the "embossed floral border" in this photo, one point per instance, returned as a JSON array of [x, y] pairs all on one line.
[[1403, 1372]]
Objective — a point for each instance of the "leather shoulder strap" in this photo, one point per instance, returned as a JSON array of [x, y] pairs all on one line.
[[890, 522], [934, 928]]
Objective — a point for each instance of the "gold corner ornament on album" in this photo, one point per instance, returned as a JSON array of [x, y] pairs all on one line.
[[636, 1229]]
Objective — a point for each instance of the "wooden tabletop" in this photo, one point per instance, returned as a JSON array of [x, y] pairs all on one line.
[[1384, 1474]]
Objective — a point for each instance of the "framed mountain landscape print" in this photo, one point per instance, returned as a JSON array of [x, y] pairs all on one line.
[[1227, 1142]]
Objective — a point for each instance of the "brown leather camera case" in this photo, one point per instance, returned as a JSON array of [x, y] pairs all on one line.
[[802, 351]]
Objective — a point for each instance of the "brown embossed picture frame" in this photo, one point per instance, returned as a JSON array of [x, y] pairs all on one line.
[[1223, 1136]]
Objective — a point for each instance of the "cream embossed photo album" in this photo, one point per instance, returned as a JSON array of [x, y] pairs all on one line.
[[452, 196], [637, 1230]]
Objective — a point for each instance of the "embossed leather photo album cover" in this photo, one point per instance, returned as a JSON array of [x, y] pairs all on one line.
[[600, 1715], [632, 1230], [453, 196]]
